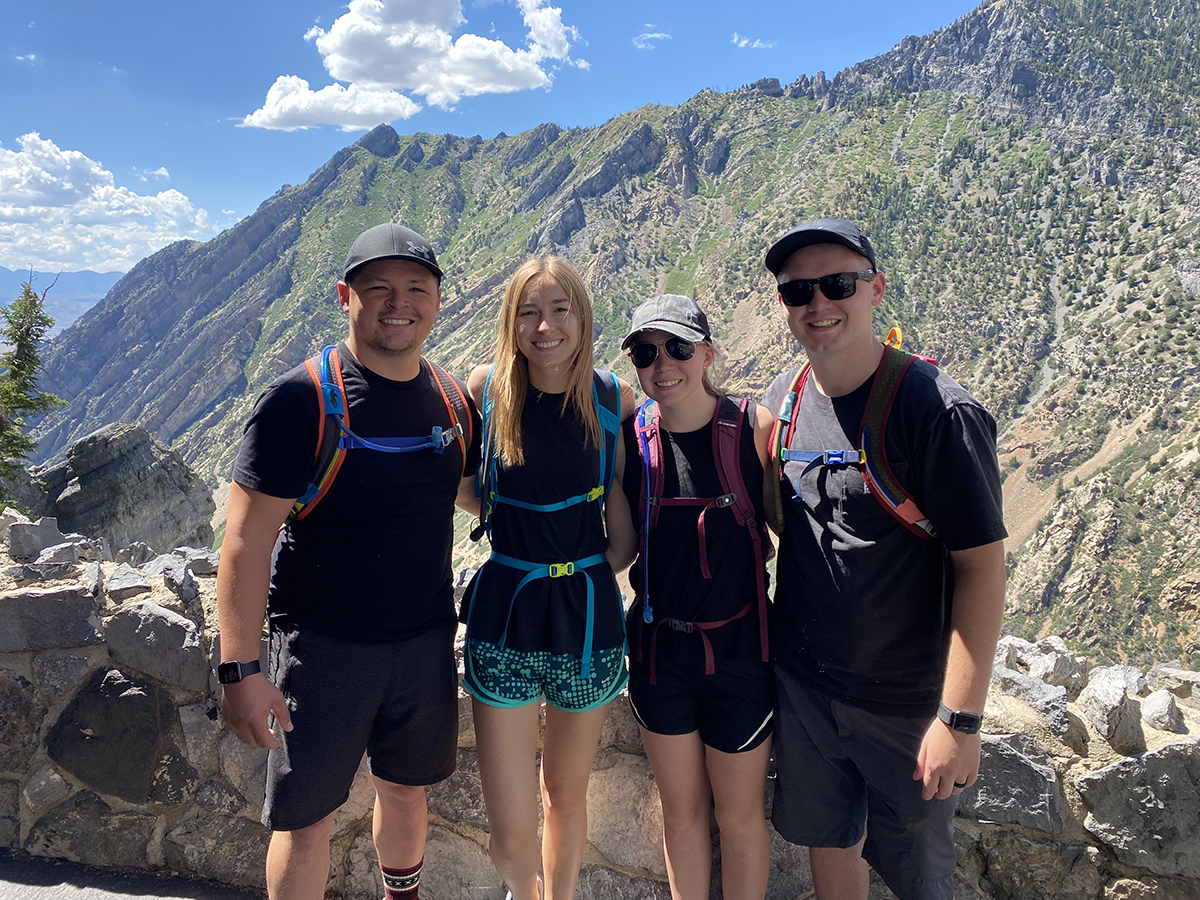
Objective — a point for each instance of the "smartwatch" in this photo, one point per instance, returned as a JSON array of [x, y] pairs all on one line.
[[233, 672], [966, 722]]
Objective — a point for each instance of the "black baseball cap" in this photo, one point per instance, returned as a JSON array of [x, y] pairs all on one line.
[[390, 241], [672, 313], [819, 231]]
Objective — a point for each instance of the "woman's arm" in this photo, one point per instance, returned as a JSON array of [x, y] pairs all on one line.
[[618, 518]]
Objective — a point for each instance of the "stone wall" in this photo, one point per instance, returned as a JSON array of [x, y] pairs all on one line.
[[113, 753]]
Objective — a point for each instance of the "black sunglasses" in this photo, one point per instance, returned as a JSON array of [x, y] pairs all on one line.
[[838, 286], [645, 353]]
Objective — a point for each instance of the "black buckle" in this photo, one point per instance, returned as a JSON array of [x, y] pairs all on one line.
[[680, 625], [725, 500]]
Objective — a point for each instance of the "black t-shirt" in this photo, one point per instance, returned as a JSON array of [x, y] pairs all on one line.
[[371, 561], [678, 588], [862, 604], [549, 614]]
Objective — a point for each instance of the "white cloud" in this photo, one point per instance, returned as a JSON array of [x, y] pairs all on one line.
[[28, 57], [60, 210], [650, 40], [160, 172], [383, 50], [740, 41]]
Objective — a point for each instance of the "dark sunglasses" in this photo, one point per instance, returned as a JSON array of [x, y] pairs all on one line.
[[835, 287], [645, 353]]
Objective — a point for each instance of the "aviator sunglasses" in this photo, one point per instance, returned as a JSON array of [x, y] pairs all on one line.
[[645, 353], [838, 286]]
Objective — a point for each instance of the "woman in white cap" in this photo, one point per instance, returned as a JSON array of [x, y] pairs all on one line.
[[544, 614], [700, 679]]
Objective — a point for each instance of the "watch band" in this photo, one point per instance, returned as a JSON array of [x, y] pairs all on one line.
[[233, 672], [958, 720]]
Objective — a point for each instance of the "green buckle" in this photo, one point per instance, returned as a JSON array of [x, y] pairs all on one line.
[[595, 493], [558, 570]]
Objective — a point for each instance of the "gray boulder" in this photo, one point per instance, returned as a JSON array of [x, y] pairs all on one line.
[[47, 618], [1107, 705], [1048, 699], [1160, 711], [1147, 809], [121, 483], [159, 642], [125, 582], [199, 561], [175, 575], [26, 540], [1017, 785]]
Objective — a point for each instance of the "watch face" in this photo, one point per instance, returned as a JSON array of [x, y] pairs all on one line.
[[229, 673]]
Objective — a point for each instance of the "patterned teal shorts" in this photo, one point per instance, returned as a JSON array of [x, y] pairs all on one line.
[[504, 677]]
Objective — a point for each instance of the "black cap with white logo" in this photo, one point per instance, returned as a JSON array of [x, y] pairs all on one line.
[[819, 231], [390, 241]]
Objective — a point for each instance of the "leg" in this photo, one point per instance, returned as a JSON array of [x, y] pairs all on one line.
[[567, 755], [298, 862], [506, 742], [679, 770], [839, 873], [739, 781], [399, 824]]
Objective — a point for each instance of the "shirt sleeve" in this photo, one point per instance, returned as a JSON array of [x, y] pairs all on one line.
[[961, 477], [278, 450]]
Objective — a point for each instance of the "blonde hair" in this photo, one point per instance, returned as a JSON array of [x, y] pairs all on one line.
[[510, 377], [714, 375]]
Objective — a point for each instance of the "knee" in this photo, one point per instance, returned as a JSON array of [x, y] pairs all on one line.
[[742, 820], [563, 796], [399, 797], [511, 848], [310, 838]]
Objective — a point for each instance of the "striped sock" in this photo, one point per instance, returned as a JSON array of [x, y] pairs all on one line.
[[401, 884]]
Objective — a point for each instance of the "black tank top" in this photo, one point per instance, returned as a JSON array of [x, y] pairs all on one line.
[[549, 613], [678, 589]]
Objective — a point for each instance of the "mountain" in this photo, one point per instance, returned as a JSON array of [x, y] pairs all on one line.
[[72, 294], [1029, 176]]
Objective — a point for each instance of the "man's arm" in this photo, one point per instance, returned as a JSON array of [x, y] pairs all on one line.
[[251, 526], [950, 759]]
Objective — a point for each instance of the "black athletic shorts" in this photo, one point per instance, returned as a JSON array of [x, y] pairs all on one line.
[[841, 769], [398, 701], [732, 708]]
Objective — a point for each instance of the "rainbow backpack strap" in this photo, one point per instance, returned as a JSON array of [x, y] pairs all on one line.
[[326, 374]]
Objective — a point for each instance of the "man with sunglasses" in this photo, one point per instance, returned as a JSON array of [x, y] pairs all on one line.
[[884, 631]]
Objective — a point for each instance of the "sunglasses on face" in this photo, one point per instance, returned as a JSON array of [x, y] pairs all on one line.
[[645, 353], [838, 286]]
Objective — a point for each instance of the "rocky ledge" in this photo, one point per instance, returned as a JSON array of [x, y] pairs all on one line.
[[113, 753]]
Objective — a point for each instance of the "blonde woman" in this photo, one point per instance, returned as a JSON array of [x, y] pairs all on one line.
[[700, 681], [544, 615]]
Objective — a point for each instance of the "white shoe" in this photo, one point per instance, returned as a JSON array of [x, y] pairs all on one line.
[[541, 889]]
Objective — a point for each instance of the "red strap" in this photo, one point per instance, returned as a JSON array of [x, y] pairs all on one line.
[[709, 659]]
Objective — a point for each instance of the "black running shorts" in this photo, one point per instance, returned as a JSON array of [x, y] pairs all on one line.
[[398, 701]]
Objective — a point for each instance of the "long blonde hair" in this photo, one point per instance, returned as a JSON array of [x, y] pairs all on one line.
[[510, 378]]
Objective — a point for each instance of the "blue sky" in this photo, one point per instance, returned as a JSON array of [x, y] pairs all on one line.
[[127, 125]]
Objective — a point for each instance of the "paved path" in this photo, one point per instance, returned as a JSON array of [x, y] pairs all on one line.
[[33, 878]]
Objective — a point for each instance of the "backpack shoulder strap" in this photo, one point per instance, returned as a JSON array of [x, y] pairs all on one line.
[[727, 441], [606, 391], [781, 439], [646, 426], [326, 374], [878, 475], [456, 406], [485, 474]]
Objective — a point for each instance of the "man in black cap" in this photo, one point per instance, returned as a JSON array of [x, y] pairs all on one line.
[[358, 590], [890, 581]]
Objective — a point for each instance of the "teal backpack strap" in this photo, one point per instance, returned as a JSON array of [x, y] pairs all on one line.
[[485, 475], [608, 409]]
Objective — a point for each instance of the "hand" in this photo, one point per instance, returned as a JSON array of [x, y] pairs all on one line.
[[948, 761], [246, 708]]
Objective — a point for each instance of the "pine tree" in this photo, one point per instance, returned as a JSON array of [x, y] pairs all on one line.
[[25, 324]]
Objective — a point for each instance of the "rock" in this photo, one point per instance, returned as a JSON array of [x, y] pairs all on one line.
[[60, 553], [791, 874], [125, 582], [160, 643], [1019, 866], [363, 878], [624, 815], [597, 881], [21, 715], [200, 730], [93, 578], [109, 736], [1009, 650], [10, 814], [1183, 683], [43, 571], [137, 554], [8, 517], [44, 788], [245, 768], [1160, 711], [26, 540], [1017, 785], [620, 729], [199, 561], [218, 797], [230, 850], [456, 867], [359, 804], [175, 575], [57, 672], [46, 619], [1105, 701], [460, 797], [86, 829], [1147, 809], [96, 550], [121, 483], [1049, 700], [1051, 661], [1135, 682]]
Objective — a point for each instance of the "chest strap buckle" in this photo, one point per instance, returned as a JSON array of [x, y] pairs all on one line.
[[558, 570]]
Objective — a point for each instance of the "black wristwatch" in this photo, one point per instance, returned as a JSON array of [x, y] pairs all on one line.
[[233, 672], [966, 722]]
